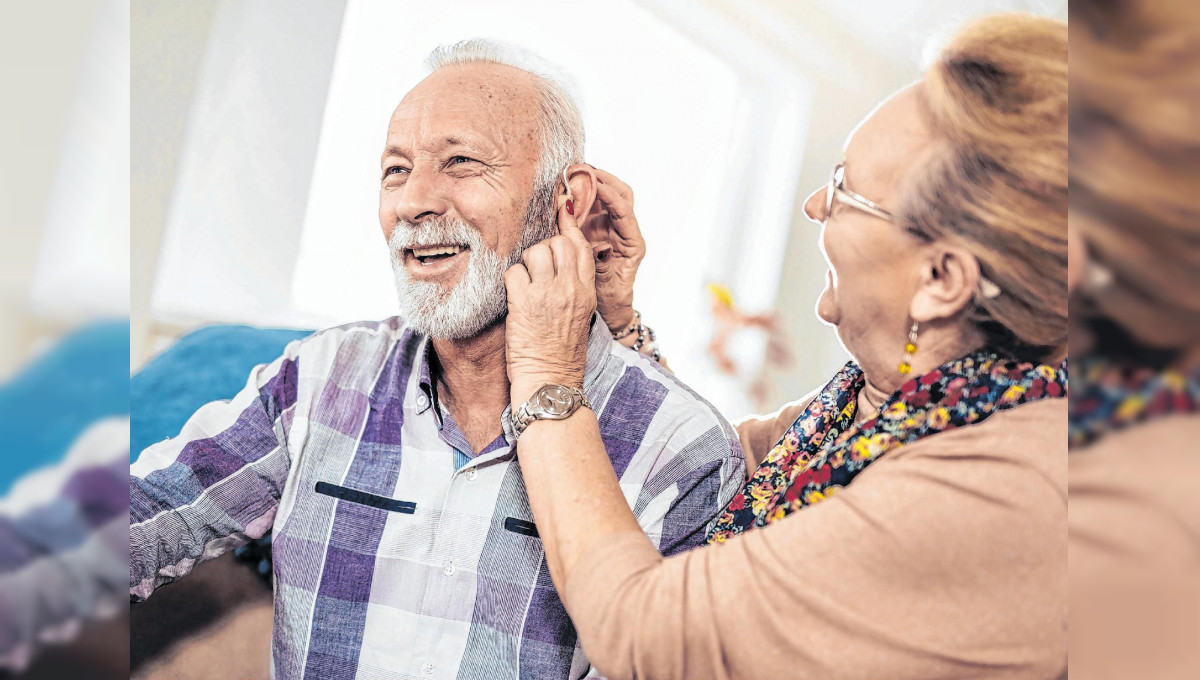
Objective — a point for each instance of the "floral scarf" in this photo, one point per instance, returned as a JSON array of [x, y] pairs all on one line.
[[1112, 397], [824, 449]]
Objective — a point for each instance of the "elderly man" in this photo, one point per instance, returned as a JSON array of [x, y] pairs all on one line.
[[383, 455]]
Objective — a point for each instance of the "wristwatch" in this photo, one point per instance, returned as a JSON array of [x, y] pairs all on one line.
[[550, 402]]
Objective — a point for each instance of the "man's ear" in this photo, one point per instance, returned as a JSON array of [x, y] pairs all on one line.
[[581, 179], [949, 279]]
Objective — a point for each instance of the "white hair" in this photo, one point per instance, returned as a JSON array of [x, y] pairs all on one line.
[[562, 125]]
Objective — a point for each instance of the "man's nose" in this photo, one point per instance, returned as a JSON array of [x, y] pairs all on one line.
[[421, 197]]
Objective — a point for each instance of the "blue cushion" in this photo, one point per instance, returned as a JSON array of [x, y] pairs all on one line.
[[205, 365]]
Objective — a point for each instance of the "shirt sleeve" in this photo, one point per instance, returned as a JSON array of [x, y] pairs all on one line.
[[216, 485], [705, 469], [62, 545], [887, 578]]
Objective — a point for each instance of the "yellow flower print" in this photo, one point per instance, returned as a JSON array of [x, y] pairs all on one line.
[[1131, 408], [1047, 372], [838, 459], [776, 514], [813, 497], [896, 411], [1013, 393], [939, 417], [760, 493]]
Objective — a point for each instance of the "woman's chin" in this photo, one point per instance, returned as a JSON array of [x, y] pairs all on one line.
[[827, 309]]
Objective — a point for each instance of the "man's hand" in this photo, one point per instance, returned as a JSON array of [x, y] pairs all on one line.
[[551, 298]]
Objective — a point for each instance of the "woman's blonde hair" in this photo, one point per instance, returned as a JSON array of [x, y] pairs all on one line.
[[997, 97], [1135, 170]]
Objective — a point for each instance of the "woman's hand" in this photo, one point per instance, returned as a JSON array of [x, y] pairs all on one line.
[[612, 228], [551, 297]]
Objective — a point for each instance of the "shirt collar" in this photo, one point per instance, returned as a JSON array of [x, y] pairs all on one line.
[[599, 344]]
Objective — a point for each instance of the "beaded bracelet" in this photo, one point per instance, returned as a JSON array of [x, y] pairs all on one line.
[[637, 320], [644, 333]]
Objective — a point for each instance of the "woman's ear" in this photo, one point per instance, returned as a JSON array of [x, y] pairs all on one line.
[[949, 279], [578, 184]]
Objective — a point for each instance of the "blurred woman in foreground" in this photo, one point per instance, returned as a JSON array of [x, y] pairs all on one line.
[[908, 519], [1135, 409]]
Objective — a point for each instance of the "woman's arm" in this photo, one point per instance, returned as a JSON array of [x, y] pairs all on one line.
[[856, 586], [946, 561], [551, 299]]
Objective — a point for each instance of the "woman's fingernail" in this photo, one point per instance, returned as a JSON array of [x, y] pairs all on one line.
[[570, 207]]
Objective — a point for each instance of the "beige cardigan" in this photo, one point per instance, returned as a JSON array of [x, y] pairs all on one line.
[[1135, 553], [944, 559]]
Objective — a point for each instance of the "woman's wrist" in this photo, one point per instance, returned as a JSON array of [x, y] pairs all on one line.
[[523, 386], [620, 319]]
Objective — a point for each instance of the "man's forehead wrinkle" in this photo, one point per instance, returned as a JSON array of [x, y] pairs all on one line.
[[490, 109]]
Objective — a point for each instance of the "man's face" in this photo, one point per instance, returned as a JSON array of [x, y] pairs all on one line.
[[456, 190]]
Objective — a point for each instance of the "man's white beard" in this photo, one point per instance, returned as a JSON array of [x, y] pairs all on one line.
[[479, 299]]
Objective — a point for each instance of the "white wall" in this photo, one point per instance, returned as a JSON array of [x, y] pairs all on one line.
[[233, 223]]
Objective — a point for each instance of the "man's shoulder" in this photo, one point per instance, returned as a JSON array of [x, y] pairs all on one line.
[[365, 345], [645, 399]]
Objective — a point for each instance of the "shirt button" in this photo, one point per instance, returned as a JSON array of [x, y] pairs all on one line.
[[448, 570], [421, 401], [427, 668], [471, 475]]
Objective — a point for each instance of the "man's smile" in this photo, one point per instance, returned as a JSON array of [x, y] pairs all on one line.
[[432, 261]]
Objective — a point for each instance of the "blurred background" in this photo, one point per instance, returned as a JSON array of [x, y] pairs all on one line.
[[64, 338], [257, 128]]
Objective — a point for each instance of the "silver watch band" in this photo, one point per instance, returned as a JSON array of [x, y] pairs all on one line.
[[549, 402]]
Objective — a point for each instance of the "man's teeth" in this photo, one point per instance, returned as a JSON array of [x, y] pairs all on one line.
[[437, 250]]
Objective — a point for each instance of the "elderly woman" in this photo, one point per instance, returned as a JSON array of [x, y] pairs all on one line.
[[1134, 467], [908, 519]]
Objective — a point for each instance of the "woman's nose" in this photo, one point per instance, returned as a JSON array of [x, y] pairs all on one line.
[[814, 206]]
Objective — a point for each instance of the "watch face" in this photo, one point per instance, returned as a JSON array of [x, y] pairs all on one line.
[[555, 400]]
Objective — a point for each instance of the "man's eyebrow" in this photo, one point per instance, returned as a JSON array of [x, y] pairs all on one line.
[[393, 150]]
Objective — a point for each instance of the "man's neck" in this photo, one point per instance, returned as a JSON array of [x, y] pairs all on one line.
[[472, 382]]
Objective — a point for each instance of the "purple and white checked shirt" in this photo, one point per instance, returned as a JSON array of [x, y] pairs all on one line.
[[390, 560]]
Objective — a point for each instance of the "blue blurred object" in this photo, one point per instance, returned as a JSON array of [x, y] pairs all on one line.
[[46, 406], [205, 365]]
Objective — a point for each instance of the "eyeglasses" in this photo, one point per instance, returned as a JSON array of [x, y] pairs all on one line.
[[837, 187]]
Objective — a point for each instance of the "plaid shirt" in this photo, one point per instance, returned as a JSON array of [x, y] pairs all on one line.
[[392, 560]]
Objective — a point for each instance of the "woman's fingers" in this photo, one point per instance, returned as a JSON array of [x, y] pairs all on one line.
[[539, 261], [620, 212], [611, 180], [516, 280], [573, 253]]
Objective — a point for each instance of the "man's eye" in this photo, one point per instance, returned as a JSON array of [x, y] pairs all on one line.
[[395, 170], [455, 160]]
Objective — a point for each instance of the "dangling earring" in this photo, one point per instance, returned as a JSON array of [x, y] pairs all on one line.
[[910, 348]]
